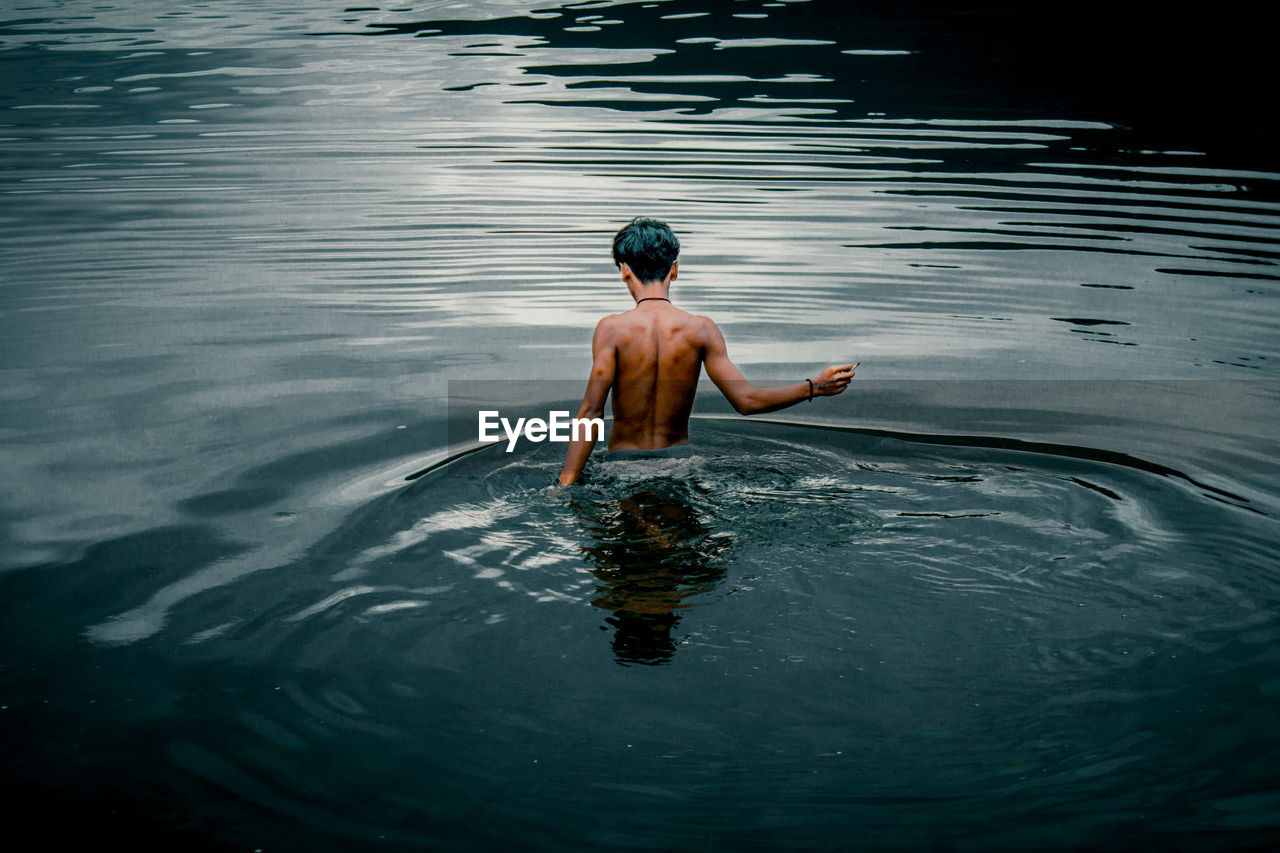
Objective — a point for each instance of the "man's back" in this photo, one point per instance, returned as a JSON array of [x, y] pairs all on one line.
[[658, 351]]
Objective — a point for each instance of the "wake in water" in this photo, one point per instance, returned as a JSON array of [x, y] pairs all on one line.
[[957, 631], [789, 509], [834, 611]]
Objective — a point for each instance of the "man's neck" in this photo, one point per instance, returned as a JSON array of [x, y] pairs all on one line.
[[655, 292]]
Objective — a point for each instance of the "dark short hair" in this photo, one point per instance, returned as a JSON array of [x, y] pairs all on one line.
[[648, 247]]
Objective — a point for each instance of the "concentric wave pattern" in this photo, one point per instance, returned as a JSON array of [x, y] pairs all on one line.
[[980, 604], [1031, 535]]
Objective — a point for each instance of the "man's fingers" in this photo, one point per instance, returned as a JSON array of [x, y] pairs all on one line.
[[837, 378]]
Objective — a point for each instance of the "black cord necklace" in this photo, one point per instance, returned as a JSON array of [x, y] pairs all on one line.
[[647, 298]]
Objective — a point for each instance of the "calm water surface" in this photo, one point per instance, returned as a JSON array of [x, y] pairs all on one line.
[[1018, 587]]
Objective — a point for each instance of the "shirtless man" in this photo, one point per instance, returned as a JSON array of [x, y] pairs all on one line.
[[651, 356]]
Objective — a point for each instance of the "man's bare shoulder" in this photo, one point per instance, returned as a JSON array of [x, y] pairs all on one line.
[[705, 325], [609, 322], [607, 333]]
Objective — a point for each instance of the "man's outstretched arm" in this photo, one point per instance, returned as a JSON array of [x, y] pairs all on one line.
[[604, 366], [748, 399]]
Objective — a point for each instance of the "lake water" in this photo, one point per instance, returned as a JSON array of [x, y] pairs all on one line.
[[262, 263]]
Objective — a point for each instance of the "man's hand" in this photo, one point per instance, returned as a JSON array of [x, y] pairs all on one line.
[[832, 380]]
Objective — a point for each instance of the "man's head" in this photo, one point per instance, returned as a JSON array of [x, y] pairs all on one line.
[[648, 247]]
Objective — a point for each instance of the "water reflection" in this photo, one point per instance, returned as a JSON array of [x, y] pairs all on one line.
[[653, 553]]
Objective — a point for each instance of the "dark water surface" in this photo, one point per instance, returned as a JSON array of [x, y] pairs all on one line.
[[1018, 587]]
